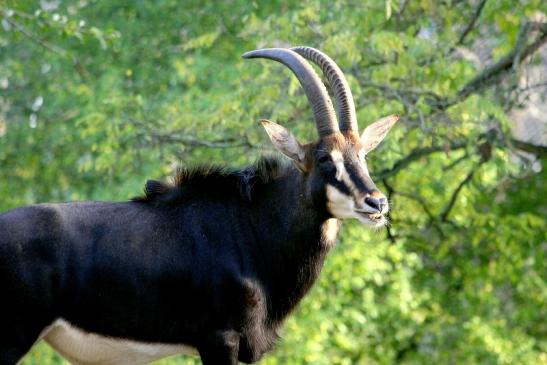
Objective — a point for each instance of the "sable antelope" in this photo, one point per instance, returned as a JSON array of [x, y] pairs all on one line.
[[211, 264]]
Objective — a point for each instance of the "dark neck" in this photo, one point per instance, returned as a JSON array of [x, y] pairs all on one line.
[[300, 237]]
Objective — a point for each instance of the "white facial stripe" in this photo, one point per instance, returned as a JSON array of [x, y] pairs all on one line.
[[338, 161], [336, 156], [341, 172]]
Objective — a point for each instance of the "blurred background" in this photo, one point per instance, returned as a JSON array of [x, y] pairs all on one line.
[[98, 96]]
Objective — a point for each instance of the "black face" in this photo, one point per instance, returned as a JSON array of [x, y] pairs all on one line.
[[349, 191], [337, 169], [329, 172]]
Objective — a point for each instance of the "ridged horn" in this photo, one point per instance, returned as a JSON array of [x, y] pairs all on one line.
[[345, 107], [318, 97]]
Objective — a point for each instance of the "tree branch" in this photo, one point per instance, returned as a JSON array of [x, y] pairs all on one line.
[[48, 46], [419, 153], [454, 197], [483, 79], [540, 151], [192, 141], [389, 191], [34, 38], [519, 52], [412, 94], [472, 23], [489, 75]]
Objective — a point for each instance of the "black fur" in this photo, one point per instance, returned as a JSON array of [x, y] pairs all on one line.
[[216, 260], [217, 179]]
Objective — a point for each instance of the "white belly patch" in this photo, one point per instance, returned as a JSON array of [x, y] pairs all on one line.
[[85, 348]]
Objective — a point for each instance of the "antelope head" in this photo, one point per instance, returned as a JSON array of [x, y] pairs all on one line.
[[335, 165]]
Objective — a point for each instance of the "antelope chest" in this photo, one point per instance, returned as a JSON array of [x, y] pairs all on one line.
[[85, 348]]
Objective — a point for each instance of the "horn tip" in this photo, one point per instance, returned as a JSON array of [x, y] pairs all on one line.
[[258, 53], [249, 54]]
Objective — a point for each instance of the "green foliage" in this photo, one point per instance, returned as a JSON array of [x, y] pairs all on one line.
[[97, 96]]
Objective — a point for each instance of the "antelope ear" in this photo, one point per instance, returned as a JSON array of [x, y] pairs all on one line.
[[285, 142], [375, 133]]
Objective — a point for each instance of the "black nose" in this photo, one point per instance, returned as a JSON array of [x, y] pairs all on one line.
[[376, 203]]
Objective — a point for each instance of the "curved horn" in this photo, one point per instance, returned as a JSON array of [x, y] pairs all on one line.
[[318, 97], [345, 106]]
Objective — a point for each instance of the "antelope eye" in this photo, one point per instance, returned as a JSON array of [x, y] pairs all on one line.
[[323, 159]]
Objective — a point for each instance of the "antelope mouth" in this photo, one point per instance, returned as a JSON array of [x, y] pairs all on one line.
[[374, 218]]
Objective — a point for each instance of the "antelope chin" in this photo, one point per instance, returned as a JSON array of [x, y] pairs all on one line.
[[375, 220]]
